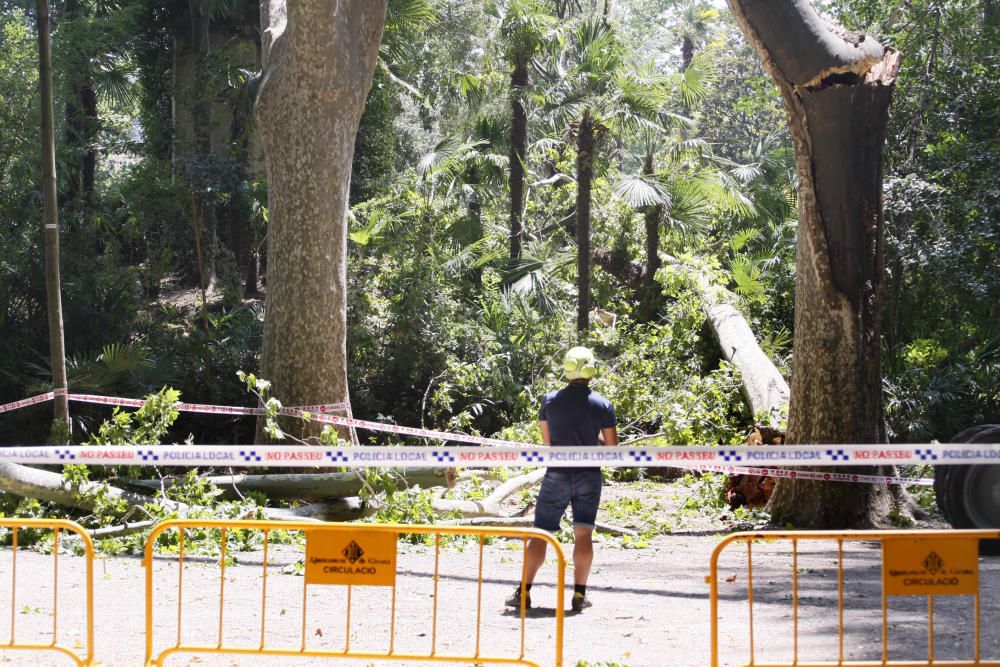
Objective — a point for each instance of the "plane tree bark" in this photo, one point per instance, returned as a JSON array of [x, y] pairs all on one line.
[[319, 59], [836, 86]]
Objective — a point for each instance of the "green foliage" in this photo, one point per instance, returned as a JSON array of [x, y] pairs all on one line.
[[146, 426], [375, 147], [706, 493], [633, 513]]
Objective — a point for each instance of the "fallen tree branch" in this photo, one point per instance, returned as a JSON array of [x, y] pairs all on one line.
[[766, 391], [489, 506], [28, 482], [120, 531]]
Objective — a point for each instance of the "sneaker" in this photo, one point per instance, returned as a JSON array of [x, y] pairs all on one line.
[[581, 602], [515, 599]]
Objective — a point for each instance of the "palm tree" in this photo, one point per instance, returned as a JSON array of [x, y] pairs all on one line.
[[96, 67], [646, 191], [594, 92], [525, 27], [693, 22]]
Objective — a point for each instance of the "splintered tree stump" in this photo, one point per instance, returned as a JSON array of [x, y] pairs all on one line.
[[754, 490]]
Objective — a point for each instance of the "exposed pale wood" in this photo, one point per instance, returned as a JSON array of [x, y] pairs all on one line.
[[764, 386]]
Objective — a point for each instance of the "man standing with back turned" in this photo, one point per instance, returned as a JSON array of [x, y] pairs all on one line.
[[573, 416]]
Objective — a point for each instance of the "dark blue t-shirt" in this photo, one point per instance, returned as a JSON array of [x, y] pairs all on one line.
[[575, 415]]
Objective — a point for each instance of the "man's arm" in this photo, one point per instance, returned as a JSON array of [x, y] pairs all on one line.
[[544, 426], [609, 436]]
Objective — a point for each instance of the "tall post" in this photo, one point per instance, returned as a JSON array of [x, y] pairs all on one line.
[[52, 282]]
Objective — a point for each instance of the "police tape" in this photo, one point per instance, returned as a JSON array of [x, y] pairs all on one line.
[[813, 475], [25, 402], [116, 401], [752, 459], [708, 459]]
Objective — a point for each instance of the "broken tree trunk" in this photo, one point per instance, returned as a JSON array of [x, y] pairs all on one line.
[[836, 86], [310, 486]]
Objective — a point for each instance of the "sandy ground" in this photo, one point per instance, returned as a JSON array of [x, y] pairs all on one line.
[[651, 607]]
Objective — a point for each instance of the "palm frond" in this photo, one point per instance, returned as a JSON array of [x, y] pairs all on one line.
[[641, 191], [746, 277], [742, 237], [695, 83], [117, 87]]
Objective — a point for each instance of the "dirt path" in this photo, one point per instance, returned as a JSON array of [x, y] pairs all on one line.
[[651, 607]]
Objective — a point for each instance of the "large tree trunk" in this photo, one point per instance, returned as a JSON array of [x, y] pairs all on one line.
[[837, 87], [53, 291], [519, 79], [584, 181], [317, 73]]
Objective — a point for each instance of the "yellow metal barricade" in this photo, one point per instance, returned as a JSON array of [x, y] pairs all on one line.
[[895, 572], [341, 561], [82, 652]]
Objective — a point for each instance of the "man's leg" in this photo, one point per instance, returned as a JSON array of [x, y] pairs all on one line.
[[534, 556], [553, 498], [586, 501], [583, 553]]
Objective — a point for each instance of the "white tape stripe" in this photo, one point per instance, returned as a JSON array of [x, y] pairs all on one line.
[[446, 457], [706, 458]]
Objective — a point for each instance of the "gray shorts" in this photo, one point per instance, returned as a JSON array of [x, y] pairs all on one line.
[[560, 489]]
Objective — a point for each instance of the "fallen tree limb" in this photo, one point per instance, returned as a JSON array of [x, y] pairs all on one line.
[[309, 486], [120, 531], [764, 387], [490, 506], [28, 482]]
